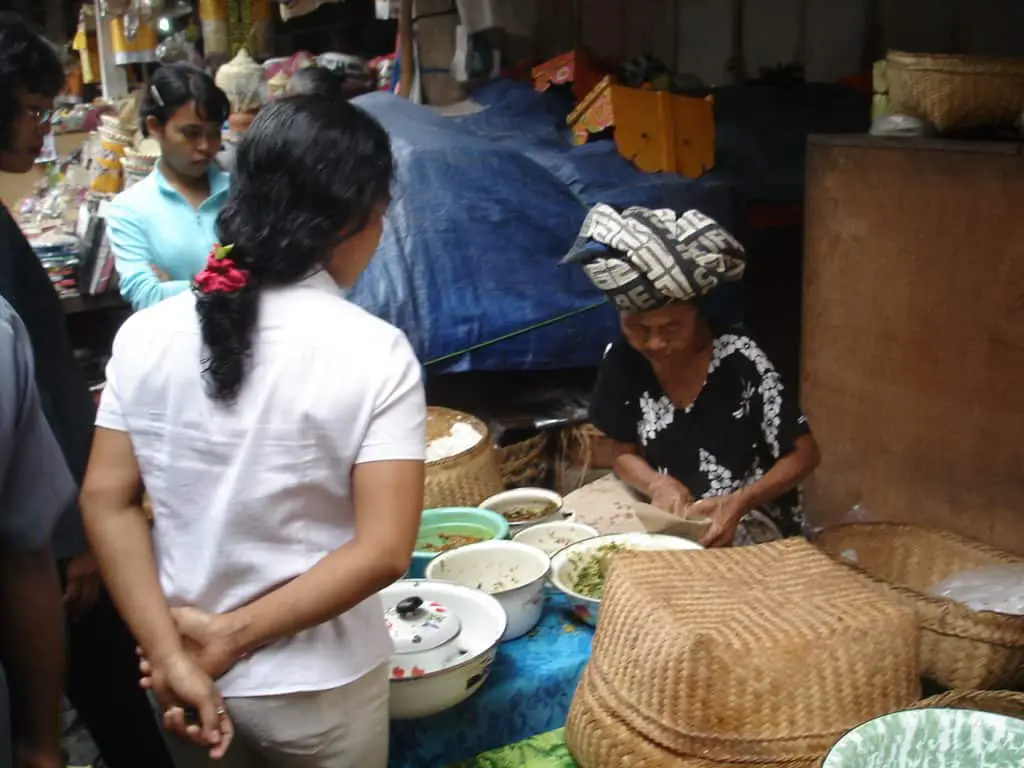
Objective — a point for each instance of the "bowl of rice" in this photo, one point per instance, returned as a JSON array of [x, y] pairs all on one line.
[[579, 570]]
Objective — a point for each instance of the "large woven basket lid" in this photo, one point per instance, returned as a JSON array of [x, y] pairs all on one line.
[[764, 653]]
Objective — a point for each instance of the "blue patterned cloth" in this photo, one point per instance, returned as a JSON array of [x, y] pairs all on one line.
[[531, 684]]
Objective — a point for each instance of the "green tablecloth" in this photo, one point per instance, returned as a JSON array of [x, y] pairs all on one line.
[[546, 750]]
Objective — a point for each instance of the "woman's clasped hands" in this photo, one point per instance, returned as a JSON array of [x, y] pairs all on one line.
[[183, 682]]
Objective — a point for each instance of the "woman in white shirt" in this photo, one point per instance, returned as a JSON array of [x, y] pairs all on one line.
[[279, 432]]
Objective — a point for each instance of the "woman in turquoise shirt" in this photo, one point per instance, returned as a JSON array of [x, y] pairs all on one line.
[[162, 229]]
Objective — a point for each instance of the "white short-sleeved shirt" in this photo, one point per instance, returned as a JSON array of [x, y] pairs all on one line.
[[251, 495]]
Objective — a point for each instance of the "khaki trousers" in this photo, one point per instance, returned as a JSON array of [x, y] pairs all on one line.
[[344, 727]]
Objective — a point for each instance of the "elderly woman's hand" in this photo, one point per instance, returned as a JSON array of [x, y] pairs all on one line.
[[725, 513], [669, 494]]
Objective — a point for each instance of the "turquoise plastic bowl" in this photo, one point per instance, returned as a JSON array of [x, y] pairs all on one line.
[[454, 521]]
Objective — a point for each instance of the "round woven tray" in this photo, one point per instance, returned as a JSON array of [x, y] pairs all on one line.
[[524, 463], [760, 655], [956, 92], [960, 648], [467, 478]]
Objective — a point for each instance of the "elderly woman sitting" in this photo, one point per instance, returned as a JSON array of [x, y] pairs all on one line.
[[703, 422]]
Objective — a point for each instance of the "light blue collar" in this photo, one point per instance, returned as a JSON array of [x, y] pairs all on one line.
[[219, 183]]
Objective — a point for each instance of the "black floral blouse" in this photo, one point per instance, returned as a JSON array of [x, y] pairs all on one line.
[[742, 421]]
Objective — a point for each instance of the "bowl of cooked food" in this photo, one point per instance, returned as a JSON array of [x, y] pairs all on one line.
[[448, 528], [513, 573], [551, 537], [523, 507], [578, 571]]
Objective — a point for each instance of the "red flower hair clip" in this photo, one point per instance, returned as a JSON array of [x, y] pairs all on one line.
[[221, 275]]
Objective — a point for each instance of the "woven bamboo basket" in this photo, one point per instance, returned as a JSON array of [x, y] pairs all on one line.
[[468, 477], [584, 454], [761, 655], [1009, 703], [956, 92], [524, 463], [960, 648]]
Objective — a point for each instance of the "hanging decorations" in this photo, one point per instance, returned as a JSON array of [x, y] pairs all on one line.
[[230, 25], [86, 44], [241, 79]]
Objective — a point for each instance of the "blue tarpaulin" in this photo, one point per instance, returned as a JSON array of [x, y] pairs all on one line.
[[483, 211]]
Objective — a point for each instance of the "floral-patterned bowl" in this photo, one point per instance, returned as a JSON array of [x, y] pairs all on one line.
[[513, 573], [445, 637], [932, 738], [567, 563]]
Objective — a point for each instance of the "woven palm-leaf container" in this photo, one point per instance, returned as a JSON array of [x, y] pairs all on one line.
[[1008, 703], [524, 463], [761, 655], [466, 478], [960, 648], [956, 92]]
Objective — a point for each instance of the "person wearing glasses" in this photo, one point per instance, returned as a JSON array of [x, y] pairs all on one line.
[[161, 229], [102, 671]]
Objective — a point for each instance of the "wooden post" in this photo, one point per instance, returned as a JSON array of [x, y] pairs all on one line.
[[406, 55]]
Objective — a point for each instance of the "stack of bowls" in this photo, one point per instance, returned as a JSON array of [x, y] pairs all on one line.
[[136, 166], [114, 139]]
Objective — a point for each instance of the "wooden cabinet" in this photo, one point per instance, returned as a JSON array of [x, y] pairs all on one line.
[[913, 332]]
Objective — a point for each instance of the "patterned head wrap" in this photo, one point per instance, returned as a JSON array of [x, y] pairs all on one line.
[[644, 259]]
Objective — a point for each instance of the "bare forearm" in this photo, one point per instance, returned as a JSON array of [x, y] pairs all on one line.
[[121, 540], [787, 473], [635, 472], [30, 644], [336, 584]]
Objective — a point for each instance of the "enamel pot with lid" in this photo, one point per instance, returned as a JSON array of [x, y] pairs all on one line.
[[445, 638]]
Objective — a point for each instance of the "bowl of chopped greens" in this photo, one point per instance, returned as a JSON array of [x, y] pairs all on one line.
[[579, 570], [523, 507], [447, 528]]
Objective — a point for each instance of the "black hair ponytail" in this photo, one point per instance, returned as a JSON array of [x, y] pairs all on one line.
[[227, 322], [311, 171]]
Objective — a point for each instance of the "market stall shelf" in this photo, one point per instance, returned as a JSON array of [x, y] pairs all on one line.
[[531, 684]]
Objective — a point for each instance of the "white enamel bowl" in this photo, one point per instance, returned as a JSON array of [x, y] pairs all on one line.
[[551, 537], [467, 663], [504, 501], [513, 573], [566, 563]]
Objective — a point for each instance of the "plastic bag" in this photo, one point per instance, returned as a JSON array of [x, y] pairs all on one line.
[[857, 514], [998, 588], [898, 125]]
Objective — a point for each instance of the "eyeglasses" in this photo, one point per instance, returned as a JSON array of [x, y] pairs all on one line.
[[41, 116]]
